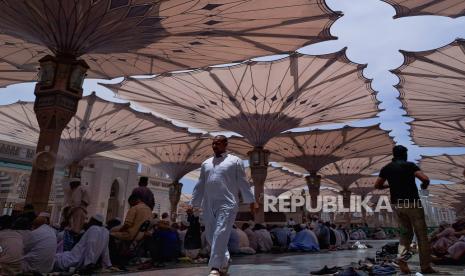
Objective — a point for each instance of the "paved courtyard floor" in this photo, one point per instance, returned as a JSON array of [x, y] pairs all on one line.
[[290, 264]]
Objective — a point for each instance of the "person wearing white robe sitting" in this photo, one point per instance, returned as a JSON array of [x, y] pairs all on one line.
[[91, 248], [40, 248]]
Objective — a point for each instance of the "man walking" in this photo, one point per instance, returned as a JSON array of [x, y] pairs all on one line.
[[222, 179], [400, 175]]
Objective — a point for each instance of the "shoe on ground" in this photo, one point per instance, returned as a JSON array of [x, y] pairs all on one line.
[[325, 270]]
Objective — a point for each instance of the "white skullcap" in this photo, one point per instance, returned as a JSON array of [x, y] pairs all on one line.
[[98, 217], [44, 214], [303, 225]]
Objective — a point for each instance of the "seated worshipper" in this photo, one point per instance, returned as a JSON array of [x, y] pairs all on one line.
[[264, 241], [165, 245], [122, 236], [91, 249], [233, 243], [304, 240], [323, 235], [332, 237], [336, 235], [442, 239], [11, 247], [244, 242], [457, 251], [40, 248], [192, 240], [379, 234], [46, 216], [144, 193], [251, 236], [355, 235], [237, 244], [136, 215], [282, 235]]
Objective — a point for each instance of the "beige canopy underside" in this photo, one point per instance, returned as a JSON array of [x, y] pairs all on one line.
[[135, 37]]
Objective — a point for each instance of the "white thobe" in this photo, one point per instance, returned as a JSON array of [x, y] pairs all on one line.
[[39, 250], [89, 249], [221, 181]]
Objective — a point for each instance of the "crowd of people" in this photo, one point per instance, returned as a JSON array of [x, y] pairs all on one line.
[[29, 244], [448, 243]]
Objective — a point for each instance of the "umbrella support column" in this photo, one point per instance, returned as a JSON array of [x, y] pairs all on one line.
[[258, 160], [314, 184], [174, 196], [346, 203], [57, 95]]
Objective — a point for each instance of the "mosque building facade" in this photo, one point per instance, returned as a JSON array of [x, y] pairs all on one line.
[[108, 181]]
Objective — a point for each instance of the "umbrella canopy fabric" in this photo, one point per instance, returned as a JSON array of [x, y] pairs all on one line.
[[451, 8], [175, 160], [98, 126], [447, 196], [134, 37], [309, 151], [347, 171], [432, 83], [444, 167], [259, 100], [363, 186], [438, 133], [12, 74]]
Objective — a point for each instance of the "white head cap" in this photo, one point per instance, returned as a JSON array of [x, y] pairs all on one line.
[[98, 217]]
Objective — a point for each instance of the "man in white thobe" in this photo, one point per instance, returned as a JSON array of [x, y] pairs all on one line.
[[222, 179], [77, 200], [40, 247], [92, 247]]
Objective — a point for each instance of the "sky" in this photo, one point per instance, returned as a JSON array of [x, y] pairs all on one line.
[[372, 37]]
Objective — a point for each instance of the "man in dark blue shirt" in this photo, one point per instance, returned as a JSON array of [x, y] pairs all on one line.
[[400, 175]]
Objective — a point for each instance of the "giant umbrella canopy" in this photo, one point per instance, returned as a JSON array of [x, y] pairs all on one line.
[[451, 8], [175, 160], [431, 90], [445, 167], [309, 151], [97, 126], [259, 100], [112, 38], [448, 196], [363, 187], [347, 171]]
